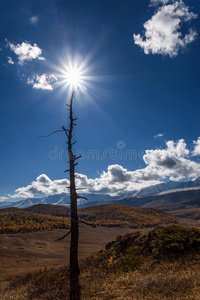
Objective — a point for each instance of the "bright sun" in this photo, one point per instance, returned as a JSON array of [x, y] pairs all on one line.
[[73, 77]]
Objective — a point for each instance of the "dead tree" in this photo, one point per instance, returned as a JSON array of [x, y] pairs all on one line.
[[74, 268], [75, 289]]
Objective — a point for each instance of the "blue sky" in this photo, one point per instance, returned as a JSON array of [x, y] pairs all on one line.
[[138, 105]]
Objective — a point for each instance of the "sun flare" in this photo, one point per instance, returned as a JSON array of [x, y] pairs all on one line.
[[73, 77], [76, 74]]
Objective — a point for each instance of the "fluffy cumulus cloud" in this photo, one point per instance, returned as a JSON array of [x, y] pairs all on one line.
[[196, 151], [43, 185], [26, 51], [43, 179], [174, 163], [42, 82], [162, 33]]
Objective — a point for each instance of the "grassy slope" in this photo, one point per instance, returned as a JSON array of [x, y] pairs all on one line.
[[161, 264]]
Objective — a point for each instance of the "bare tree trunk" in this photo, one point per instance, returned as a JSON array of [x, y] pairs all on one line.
[[75, 290], [74, 268]]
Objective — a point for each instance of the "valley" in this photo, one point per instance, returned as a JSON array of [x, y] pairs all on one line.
[[28, 252], [25, 251], [31, 250]]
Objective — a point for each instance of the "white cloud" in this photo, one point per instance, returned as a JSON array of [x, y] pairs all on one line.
[[42, 185], [10, 61], [42, 82], [159, 135], [163, 31], [176, 179], [26, 52], [43, 179], [196, 151], [2, 199], [34, 20], [157, 2], [172, 163]]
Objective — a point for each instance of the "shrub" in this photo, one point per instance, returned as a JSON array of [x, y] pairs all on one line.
[[175, 240]]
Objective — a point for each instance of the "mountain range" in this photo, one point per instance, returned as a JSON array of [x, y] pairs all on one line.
[[152, 196], [57, 199]]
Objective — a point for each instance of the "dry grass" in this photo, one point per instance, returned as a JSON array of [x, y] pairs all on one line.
[[29, 252], [174, 280], [167, 280], [154, 277]]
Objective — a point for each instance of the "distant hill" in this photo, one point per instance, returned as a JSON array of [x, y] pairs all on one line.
[[48, 209], [185, 199], [43, 216], [9, 210], [18, 220], [110, 215], [188, 200], [193, 213], [121, 215], [168, 201]]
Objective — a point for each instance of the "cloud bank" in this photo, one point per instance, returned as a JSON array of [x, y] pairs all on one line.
[[173, 163], [162, 33]]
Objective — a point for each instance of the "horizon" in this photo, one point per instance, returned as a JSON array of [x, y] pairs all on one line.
[[119, 196]]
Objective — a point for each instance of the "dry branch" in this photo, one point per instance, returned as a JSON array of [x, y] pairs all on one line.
[[63, 236], [50, 133], [89, 224], [81, 197]]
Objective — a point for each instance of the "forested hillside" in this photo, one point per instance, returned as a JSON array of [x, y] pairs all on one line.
[[23, 221], [43, 216], [122, 215]]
